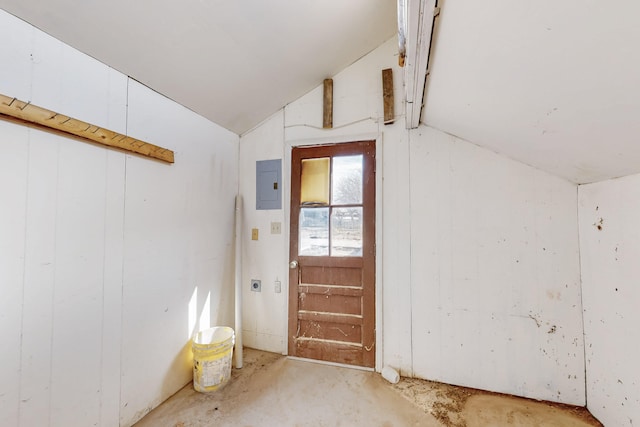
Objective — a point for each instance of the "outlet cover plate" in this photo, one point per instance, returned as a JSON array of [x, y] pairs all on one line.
[[256, 285]]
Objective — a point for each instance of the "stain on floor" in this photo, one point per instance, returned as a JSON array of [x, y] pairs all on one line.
[[272, 390], [455, 406]]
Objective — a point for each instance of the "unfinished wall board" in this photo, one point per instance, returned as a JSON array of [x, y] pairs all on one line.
[[78, 284], [495, 272], [67, 80], [189, 286], [84, 227], [610, 245], [264, 313], [13, 190], [112, 288], [40, 257], [17, 70]]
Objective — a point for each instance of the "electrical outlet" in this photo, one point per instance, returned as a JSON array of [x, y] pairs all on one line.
[[276, 228], [254, 234], [256, 285], [277, 287]]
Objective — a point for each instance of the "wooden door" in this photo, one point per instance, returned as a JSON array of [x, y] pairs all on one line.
[[332, 253]]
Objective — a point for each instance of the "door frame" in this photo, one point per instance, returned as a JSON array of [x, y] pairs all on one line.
[[286, 201]]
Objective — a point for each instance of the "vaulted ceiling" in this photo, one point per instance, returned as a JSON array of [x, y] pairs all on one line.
[[554, 84], [234, 62]]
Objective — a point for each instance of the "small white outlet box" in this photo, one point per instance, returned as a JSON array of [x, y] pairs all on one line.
[[256, 285], [277, 287], [276, 228]]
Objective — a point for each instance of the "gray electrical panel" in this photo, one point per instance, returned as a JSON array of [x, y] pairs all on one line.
[[269, 184]]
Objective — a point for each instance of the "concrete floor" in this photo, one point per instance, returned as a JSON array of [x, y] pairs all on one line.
[[272, 390]]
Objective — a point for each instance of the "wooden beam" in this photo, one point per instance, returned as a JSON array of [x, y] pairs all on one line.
[[421, 20], [327, 116], [26, 112], [387, 95]]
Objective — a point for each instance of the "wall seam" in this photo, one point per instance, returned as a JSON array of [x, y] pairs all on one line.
[[411, 348], [26, 217], [122, 265], [104, 263], [584, 335], [24, 272], [53, 285], [104, 260]]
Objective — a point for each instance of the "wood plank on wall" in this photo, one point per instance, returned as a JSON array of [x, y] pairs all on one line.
[[387, 95], [327, 105], [14, 109]]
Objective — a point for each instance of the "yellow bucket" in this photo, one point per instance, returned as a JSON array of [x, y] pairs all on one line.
[[212, 354]]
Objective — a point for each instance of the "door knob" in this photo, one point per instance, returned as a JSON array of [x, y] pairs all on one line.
[[293, 264]]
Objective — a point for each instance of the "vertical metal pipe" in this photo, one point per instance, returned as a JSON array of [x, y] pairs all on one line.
[[238, 282]]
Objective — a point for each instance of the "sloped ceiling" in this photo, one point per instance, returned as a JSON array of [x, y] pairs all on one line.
[[234, 62], [555, 84]]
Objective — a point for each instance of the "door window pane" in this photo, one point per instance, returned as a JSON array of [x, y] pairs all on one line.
[[313, 230], [314, 182], [346, 231], [346, 187]]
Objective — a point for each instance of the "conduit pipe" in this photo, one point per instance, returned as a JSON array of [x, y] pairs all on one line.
[[390, 374], [238, 281]]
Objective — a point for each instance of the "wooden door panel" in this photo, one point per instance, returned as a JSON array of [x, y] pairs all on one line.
[[330, 331], [332, 297], [347, 276], [330, 289], [322, 317], [326, 303], [330, 351]]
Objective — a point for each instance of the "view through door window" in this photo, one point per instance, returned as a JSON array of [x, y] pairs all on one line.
[[331, 206]]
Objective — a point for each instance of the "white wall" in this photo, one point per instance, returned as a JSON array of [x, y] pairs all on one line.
[[101, 252], [609, 214], [495, 272], [265, 259], [475, 250]]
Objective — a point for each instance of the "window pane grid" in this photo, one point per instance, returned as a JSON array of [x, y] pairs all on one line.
[[330, 221]]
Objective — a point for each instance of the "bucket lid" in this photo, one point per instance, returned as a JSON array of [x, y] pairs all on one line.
[[213, 335]]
